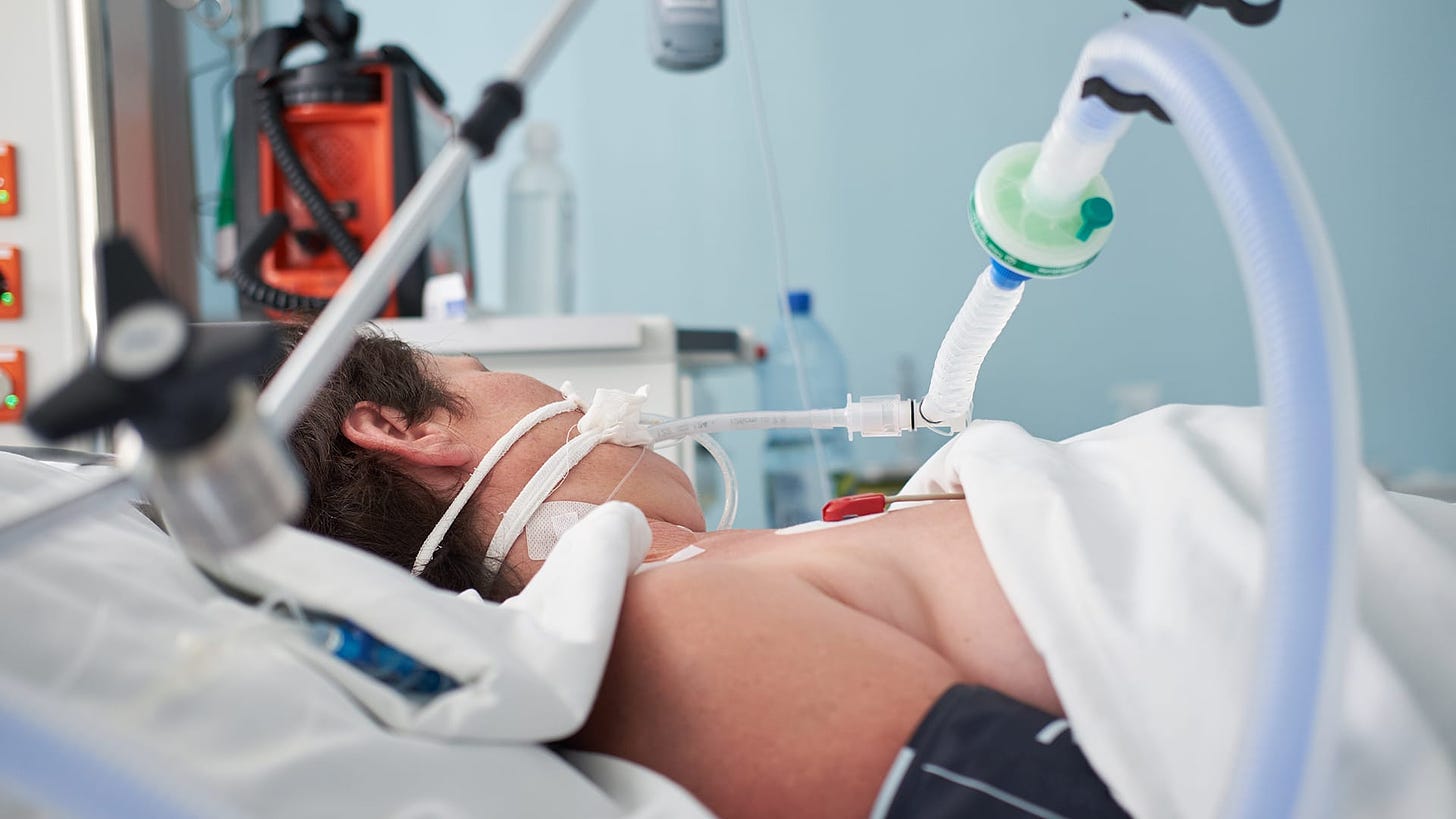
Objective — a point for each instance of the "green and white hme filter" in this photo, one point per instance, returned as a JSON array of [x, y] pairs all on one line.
[[1034, 235], [1041, 210]]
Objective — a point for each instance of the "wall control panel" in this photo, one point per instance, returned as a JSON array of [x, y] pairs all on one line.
[[12, 304], [48, 133], [12, 384], [9, 204]]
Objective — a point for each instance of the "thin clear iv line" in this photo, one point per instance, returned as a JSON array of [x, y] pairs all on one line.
[[781, 252]]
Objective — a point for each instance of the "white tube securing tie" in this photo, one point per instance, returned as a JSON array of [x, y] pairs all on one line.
[[535, 492], [487, 463]]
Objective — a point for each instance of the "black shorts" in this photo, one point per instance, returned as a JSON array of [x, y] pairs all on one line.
[[980, 753]]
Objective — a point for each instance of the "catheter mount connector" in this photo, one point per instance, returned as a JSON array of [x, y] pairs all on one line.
[[949, 423]]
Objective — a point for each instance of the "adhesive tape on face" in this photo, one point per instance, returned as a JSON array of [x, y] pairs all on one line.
[[551, 522]]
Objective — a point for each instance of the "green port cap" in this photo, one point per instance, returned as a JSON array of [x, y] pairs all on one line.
[[1096, 213], [4, 196], [7, 298], [12, 401]]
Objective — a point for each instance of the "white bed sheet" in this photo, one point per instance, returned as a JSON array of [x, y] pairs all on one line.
[[106, 622], [1133, 557]]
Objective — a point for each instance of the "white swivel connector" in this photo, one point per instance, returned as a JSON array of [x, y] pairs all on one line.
[[878, 416], [882, 416], [875, 416]]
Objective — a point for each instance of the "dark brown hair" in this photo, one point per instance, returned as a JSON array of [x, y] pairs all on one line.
[[365, 498]]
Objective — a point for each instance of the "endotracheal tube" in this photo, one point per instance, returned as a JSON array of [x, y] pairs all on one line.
[[874, 416]]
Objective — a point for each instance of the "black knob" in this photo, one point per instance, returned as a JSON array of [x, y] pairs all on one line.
[[150, 368]]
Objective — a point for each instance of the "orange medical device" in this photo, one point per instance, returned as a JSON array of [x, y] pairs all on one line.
[[323, 154]]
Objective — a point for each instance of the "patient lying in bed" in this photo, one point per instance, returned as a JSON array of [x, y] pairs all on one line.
[[881, 666], [774, 673]]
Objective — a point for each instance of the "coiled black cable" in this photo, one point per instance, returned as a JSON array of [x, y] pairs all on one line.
[[253, 288], [270, 122]]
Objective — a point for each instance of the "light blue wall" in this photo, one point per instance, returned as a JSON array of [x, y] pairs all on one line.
[[881, 114]]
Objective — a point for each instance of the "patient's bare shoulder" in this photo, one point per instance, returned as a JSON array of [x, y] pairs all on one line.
[[758, 692]]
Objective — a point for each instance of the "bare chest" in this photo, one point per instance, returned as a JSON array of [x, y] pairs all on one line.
[[920, 570]]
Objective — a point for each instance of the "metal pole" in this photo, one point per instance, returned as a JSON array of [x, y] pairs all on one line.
[[542, 46]]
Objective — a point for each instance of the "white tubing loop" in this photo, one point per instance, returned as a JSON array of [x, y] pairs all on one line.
[[730, 479], [719, 455], [1285, 756], [958, 362]]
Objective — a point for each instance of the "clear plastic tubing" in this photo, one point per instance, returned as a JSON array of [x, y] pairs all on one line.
[[874, 416], [731, 421], [1306, 371], [981, 319], [714, 449], [730, 479]]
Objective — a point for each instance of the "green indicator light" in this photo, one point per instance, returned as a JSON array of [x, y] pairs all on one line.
[[4, 196], [7, 298], [12, 401]]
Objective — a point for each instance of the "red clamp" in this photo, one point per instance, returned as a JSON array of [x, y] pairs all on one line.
[[853, 506], [873, 503]]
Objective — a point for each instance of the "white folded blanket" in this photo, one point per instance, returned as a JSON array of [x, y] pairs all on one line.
[[1133, 557]]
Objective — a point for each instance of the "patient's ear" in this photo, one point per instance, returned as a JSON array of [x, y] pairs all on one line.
[[385, 429]]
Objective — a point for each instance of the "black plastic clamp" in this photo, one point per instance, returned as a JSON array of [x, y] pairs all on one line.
[[1243, 12], [1122, 101], [500, 104]]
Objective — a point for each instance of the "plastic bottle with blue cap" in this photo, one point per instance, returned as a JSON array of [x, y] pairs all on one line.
[[796, 485]]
